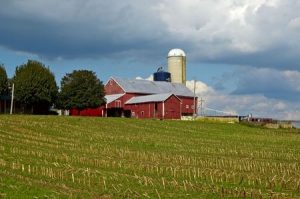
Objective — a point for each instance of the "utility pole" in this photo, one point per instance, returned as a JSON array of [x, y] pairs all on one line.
[[12, 98], [201, 106]]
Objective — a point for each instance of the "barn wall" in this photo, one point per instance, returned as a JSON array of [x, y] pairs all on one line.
[[122, 101], [143, 110], [172, 108], [88, 112], [187, 105], [159, 112], [113, 88], [147, 110]]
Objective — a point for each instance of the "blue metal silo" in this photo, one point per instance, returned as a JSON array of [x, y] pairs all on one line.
[[162, 75]]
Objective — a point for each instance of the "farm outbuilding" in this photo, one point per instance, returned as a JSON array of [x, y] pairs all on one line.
[[143, 99], [165, 98], [165, 106], [147, 99]]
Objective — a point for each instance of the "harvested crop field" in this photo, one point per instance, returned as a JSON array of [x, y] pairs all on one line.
[[81, 157]]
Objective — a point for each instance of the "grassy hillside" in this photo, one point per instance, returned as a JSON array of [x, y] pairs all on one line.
[[63, 157]]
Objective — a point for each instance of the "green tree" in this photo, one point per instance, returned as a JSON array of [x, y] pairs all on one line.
[[3, 81], [35, 87], [81, 89]]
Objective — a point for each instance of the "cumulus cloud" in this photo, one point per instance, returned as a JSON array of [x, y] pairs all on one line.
[[262, 33], [244, 104], [150, 78], [252, 32], [79, 28], [201, 88]]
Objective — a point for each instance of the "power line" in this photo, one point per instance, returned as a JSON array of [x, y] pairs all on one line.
[[219, 111]]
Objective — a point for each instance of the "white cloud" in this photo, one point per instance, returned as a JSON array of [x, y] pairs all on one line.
[[200, 88], [232, 28], [294, 23], [258, 105], [150, 78]]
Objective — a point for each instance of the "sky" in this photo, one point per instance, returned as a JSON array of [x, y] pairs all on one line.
[[244, 55]]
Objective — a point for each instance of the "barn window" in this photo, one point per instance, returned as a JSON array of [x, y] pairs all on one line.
[[110, 82], [187, 106], [142, 113], [118, 103]]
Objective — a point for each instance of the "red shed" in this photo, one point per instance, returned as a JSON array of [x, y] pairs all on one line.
[[162, 106]]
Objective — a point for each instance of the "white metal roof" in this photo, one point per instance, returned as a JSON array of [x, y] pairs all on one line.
[[149, 98], [153, 87], [176, 52], [111, 98]]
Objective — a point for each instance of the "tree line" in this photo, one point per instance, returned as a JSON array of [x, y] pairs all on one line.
[[35, 88]]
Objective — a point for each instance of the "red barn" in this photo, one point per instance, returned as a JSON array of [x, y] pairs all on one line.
[[165, 106], [147, 99]]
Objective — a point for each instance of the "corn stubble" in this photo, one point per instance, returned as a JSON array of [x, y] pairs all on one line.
[[75, 157]]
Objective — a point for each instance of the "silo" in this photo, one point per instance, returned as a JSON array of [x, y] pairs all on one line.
[[177, 66], [162, 75]]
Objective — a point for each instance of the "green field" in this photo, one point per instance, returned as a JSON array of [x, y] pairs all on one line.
[[77, 157]]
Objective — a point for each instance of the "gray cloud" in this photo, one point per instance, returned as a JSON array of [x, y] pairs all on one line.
[[251, 32], [79, 28], [271, 83]]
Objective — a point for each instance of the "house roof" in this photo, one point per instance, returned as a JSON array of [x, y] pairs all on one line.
[[149, 98], [153, 87], [111, 98]]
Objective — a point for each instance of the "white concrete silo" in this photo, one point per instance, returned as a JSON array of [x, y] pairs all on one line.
[[177, 66]]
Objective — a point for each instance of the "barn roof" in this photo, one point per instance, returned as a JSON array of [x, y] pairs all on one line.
[[153, 87], [111, 98], [149, 98]]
